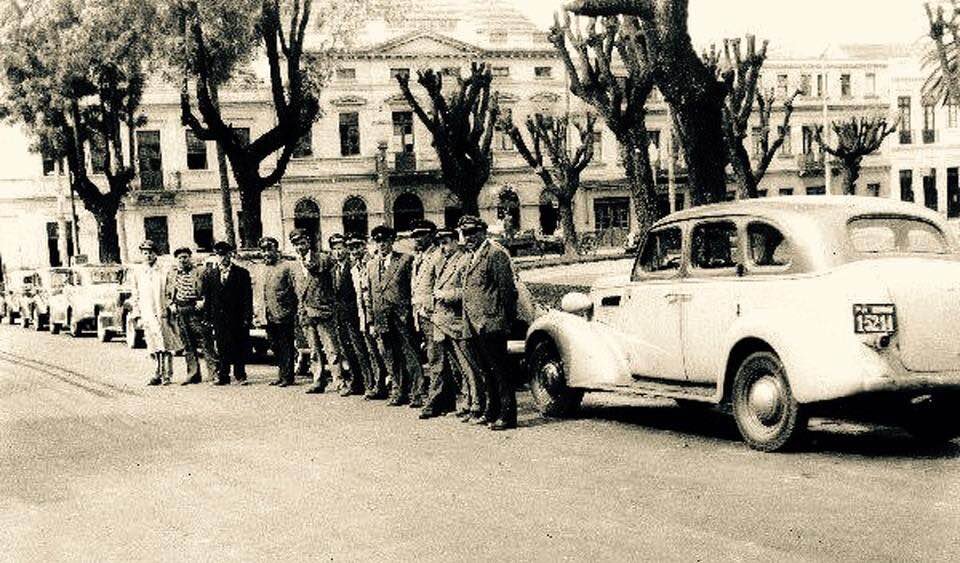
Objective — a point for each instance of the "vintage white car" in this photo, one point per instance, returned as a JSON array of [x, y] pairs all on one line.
[[775, 308], [92, 288]]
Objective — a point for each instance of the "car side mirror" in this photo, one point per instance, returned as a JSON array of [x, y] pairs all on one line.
[[577, 303]]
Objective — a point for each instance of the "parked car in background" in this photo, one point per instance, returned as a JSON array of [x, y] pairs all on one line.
[[776, 308], [114, 319], [92, 288], [48, 285], [19, 290]]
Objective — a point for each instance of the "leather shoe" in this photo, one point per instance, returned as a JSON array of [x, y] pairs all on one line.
[[482, 421], [282, 383], [397, 401], [316, 389], [276, 382], [427, 414], [222, 382], [416, 404], [191, 381], [503, 425], [155, 381]]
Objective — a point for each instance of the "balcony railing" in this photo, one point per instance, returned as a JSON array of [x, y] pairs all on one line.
[[809, 164], [405, 162], [906, 137], [929, 136]]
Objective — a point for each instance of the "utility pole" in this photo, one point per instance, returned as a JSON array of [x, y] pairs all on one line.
[[827, 168]]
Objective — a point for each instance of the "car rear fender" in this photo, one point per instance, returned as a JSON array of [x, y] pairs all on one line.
[[590, 354]]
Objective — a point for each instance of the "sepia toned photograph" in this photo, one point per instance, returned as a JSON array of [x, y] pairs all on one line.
[[479, 280]]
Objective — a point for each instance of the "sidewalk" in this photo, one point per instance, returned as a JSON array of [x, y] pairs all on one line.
[[534, 262]]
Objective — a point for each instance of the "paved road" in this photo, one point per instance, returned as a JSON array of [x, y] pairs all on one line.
[[96, 466]]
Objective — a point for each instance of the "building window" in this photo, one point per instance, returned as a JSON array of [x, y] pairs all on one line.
[[404, 157], [804, 85], [953, 193], [502, 140], [347, 74], [150, 161], [786, 149], [906, 185], [349, 134], [508, 210], [929, 124], [845, 91], [98, 154], [870, 85], [761, 193], [817, 190], [395, 72], [543, 72], [355, 216], [304, 146], [53, 242], [597, 145], [930, 190], [500, 71], [306, 216], [783, 82], [873, 190], [786, 191], [453, 71], [196, 152], [155, 229], [243, 135], [49, 162], [810, 145], [498, 36], [821, 85], [407, 209], [951, 115], [611, 213], [203, 231], [903, 108]]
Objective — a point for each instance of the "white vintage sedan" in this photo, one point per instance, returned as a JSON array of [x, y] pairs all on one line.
[[775, 308]]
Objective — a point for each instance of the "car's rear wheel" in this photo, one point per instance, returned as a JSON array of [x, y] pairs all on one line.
[[548, 383], [934, 419], [767, 414], [36, 321]]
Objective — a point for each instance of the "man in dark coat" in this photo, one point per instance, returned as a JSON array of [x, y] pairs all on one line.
[[280, 306], [389, 272], [376, 372], [489, 308], [316, 295], [348, 319], [228, 306]]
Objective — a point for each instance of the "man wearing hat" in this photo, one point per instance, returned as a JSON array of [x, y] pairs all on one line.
[[375, 371], [315, 292], [347, 316], [489, 309], [425, 258], [185, 297], [390, 273], [228, 306], [280, 308], [148, 301]]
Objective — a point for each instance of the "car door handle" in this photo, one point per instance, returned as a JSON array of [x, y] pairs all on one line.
[[610, 301], [677, 297]]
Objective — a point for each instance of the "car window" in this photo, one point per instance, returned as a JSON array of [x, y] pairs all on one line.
[[714, 246], [767, 245], [661, 252], [889, 235]]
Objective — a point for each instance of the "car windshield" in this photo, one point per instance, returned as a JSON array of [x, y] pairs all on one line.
[[895, 235], [104, 275], [59, 279]]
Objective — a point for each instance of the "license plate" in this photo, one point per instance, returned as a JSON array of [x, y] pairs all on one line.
[[873, 319]]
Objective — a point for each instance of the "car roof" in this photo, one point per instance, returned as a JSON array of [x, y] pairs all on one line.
[[808, 207]]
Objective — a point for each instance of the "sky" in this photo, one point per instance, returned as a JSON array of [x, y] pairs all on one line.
[[801, 27]]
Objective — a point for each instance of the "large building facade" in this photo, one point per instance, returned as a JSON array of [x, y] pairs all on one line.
[[368, 159]]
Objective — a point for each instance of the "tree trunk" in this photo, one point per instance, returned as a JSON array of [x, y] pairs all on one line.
[[568, 225], [226, 203], [851, 173], [643, 187], [251, 226], [742, 171], [704, 150], [107, 238]]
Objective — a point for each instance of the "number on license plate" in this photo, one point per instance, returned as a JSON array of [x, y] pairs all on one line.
[[872, 319]]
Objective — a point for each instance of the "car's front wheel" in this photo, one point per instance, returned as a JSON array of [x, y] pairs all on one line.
[[767, 414], [548, 383]]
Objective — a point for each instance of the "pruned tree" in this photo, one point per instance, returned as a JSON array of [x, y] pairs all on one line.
[[74, 75], [687, 82], [944, 60], [296, 75], [462, 125], [856, 138], [589, 56], [739, 71], [561, 171]]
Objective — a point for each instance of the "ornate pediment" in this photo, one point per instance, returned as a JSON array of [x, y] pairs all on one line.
[[349, 101], [425, 43]]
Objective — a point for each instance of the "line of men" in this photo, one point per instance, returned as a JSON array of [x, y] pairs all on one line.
[[428, 330]]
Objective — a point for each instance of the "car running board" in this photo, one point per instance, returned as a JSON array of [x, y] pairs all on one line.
[[695, 391]]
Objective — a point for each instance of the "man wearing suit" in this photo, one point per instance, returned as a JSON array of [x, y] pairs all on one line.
[[390, 309], [347, 318], [316, 295], [425, 258], [489, 307], [185, 297], [451, 374], [375, 373], [228, 306], [280, 307]]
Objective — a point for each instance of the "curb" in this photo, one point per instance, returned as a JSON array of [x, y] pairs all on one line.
[[564, 261]]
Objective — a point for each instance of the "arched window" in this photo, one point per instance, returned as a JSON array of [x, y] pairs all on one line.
[[407, 209], [355, 216], [549, 213], [452, 211], [306, 216], [508, 209]]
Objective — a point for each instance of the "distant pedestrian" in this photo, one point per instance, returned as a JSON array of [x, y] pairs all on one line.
[[280, 307], [315, 292], [149, 304], [425, 258], [228, 307], [376, 373], [390, 310], [185, 297], [489, 309]]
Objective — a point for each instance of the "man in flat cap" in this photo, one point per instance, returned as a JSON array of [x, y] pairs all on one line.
[[228, 306], [315, 292], [489, 309], [390, 273], [347, 319], [280, 308], [148, 302], [425, 257], [375, 372], [185, 296]]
